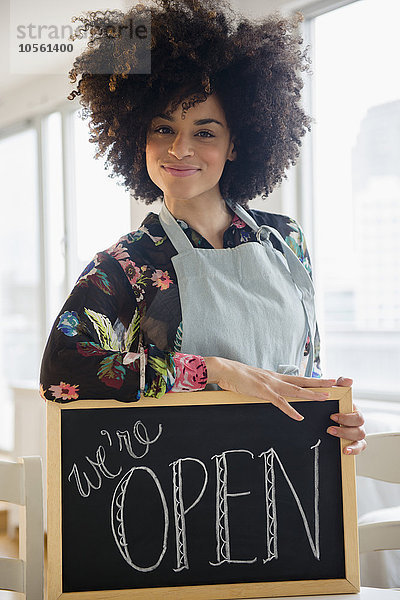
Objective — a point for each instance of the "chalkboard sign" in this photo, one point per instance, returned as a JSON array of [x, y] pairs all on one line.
[[205, 494]]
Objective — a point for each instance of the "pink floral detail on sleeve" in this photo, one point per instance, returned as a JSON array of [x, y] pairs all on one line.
[[191, 373]]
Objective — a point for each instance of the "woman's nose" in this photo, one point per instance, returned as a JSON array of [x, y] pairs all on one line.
[[181, 146]]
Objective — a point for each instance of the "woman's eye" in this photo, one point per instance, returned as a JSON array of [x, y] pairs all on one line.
[[158, 129], [209, 134]]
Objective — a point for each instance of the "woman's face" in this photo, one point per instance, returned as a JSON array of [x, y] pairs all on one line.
[[201, 140]]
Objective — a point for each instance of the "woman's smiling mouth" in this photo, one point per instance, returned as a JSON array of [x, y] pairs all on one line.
[[181, 172]]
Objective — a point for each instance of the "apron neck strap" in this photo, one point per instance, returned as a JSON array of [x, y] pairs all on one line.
[[242, 214], [174, 231], [179, 238], [182, 243], [296, 267], [297, 270]]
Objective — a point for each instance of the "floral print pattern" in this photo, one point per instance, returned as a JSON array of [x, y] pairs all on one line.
[[237, 222], [190, 373], [132, 272], [161, 279], [69, 323], [64, 391], [131, 290], [295, 240]]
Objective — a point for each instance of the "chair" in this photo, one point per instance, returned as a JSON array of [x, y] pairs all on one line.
[[21, 483], [380, 529]]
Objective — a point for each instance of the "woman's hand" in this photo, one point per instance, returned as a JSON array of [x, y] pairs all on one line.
[[351, 425], [238, 377]]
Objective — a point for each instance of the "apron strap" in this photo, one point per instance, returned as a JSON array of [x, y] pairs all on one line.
[[303, 282], [299, 274], [174, 231], [296, 267]]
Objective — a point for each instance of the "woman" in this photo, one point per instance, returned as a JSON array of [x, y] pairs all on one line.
[[208, 294]]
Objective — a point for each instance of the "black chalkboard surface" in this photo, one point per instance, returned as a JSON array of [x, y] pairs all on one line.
[[199, 494]]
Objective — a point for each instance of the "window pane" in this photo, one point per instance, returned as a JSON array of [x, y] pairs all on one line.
[[357, 190], [54, 217], [19, 267], [102, 206]]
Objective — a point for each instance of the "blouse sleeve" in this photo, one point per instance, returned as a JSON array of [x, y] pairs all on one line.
[[93, 348], [297, 242]]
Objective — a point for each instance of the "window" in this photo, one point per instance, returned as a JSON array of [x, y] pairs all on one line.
[[20, 272], [59, 208], [20, 342], [54, 222], [102, 207], [356, 189]]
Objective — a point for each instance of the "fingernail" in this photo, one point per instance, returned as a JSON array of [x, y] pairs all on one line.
[[348, 450], [332, 430], [300, 418], [335, 418]]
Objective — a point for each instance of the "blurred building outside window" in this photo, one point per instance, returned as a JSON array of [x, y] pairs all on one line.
[[356, 189]]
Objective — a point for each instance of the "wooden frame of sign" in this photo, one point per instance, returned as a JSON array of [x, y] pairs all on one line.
[[350, 583]]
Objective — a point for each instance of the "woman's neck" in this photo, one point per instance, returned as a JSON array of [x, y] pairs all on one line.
[[209, 218]]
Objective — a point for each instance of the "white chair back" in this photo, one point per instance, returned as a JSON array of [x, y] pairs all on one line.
[[21, 483], [380, 529], [381, 459]]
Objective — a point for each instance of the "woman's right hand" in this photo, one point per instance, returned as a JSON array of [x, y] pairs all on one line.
[[235, 376]]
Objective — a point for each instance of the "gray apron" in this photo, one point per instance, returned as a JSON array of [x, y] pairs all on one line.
[[249, 303]]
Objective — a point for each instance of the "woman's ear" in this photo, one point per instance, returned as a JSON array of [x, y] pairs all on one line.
[[232, 154]]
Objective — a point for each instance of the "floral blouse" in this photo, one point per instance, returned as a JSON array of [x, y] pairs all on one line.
[[130, 291]]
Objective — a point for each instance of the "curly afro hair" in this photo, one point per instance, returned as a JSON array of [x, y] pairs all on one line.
[[198, 47]]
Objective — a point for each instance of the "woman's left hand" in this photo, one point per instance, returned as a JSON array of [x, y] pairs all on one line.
[[351, 425]]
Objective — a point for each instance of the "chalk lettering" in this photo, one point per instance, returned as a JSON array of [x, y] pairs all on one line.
[[118, 516], [105, 432], [90, 485], [180, 511], [221, 508], [141, 436], [99, 468], [272, 520]]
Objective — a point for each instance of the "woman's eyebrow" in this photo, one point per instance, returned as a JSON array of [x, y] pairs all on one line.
[[198, 122]]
